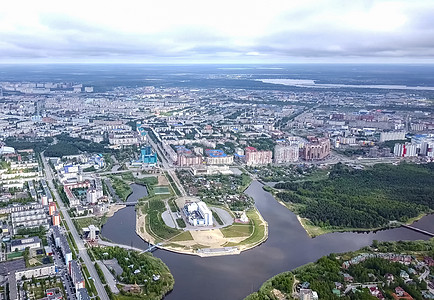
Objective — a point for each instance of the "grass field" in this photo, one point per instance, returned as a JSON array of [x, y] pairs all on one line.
[[185, 236], [257, 234], [85, 222], [237, 230], [161, 190], [13, 255]]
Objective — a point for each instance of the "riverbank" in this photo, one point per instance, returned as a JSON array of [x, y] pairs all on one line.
[[231, 240], [114, 208], [314, 231]]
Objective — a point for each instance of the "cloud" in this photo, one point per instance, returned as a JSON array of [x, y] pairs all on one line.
[[225, 31]]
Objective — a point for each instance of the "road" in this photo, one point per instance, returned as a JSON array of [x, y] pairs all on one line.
[[167, 167], [78, 241], [109, 277]]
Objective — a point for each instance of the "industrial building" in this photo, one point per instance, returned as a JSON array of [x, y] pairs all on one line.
[[198, 214]]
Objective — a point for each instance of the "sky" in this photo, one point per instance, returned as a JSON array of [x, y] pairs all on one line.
[[223, 31]]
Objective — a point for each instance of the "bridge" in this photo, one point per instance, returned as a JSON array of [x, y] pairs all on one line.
[[150, 248], [418, 230]]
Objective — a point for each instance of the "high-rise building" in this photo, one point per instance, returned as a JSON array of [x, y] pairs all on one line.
[[56, 219], [318, 148], [405, 150], [218, 157], [392, 136], [285, 153], [148, 156], [255, 157]]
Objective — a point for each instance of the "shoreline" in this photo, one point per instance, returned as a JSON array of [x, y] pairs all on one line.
[[220, 251], [114, 209]]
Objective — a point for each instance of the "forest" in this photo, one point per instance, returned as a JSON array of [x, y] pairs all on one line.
[[369, 198]]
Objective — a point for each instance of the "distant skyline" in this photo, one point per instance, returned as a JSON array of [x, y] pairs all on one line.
[[178, 32]]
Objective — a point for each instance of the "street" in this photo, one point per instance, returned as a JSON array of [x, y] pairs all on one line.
[[79, 242]]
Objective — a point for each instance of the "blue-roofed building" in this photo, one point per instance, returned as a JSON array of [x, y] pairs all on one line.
[[148, 155], [218, 157], [215, 153]]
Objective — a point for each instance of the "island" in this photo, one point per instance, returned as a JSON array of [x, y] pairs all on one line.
[[360, 198], [385, 270], [217, 219]]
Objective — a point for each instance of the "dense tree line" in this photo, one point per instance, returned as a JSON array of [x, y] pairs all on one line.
[[282, 282], [364, 198], [38, 145]]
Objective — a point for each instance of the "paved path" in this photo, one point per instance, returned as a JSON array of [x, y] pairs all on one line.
[[167, 218], [224, 216], [109, 277]]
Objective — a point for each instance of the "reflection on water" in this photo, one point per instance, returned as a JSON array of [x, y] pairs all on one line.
[[236, 276]]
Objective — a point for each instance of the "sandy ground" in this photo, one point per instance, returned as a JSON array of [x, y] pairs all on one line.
[[162, 180], [114, 208]]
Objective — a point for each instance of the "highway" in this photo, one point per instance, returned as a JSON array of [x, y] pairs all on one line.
[[78, 241]]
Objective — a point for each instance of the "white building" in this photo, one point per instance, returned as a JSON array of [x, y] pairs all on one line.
[[198, 214], [40, 271], [286, 153], [392, 136], [405, 150], [22, 244], [92, 195]]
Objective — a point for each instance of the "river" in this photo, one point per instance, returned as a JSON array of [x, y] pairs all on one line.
[[235, 276]]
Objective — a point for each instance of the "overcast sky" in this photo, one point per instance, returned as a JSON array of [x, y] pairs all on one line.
[[178, 31]]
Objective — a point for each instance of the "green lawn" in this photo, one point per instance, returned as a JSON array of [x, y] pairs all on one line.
[[17, 254], [161, 190], [85, 222], [185, 236], [237, 230], [257, 235]]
